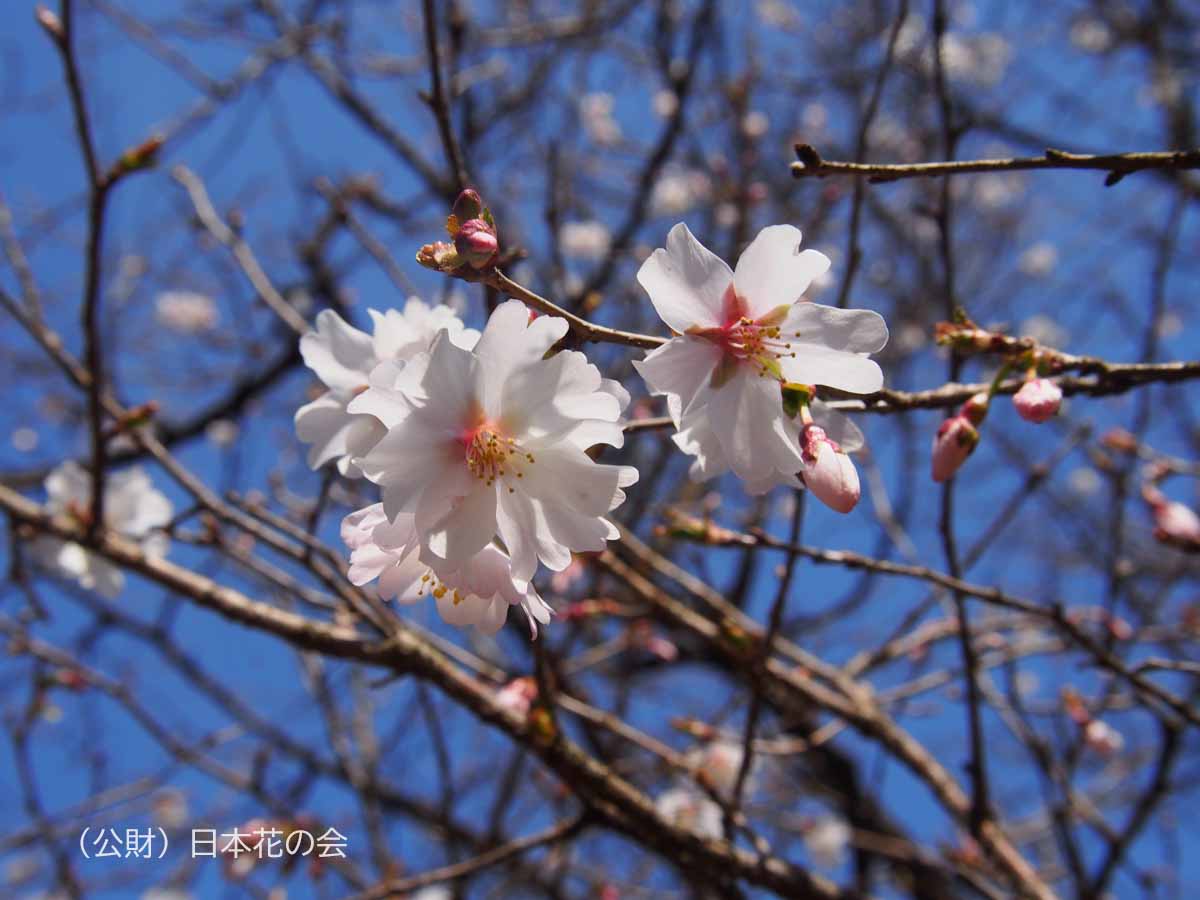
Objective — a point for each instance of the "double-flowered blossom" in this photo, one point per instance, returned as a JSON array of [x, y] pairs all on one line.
[[477, 594], [133, 508], [343, 357], [745, 337], [490, 443]]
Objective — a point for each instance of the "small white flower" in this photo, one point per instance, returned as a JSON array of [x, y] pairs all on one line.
[[585, 240], [1044, 330], [665, 103], [478, 593], [826, 841], [718, 763], [132, 508], [1103, 738], [490, 442], [596, 111], [741, 335], [1038, 260], [679, 190], [689, 809], [342, 357], [25, 440], [185, 312]]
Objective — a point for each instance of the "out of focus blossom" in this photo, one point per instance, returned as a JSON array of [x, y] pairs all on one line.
[[1102, 737], [776, 13], [24, 440], [1090, 34], [755, 124], [518, 695], [132, 509], [826, 840], [1044, 330], [665, 103], [596, 113], [1174, 523], [689, 809], [717, 763], [185, 312], [1038, 400], [679, 190], [221, 432], [585, 240], [1038, 260]]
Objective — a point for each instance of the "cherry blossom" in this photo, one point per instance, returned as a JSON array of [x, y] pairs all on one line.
[[742, 336], [342, 357], [689, 809], [132, 508], [490, 443], [826, 840], [717, 763], [478, 593]]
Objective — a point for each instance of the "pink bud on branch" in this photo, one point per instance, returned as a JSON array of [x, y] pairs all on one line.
[[957, 438], [828, 471], [1038, 400]]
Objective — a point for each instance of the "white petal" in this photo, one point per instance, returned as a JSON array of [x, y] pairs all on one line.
[[774, 272], [567, 476], [681, 368], [747, 415], [456, 528], [854, 330], [815, 364], [510, 341], [339, 354], [325, 424], [686, 282], [67, 485]]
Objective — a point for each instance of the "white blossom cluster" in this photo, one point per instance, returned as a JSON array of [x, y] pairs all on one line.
[[479, 442]]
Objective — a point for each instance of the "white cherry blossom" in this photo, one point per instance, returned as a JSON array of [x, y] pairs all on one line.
[[477, 594], [741, 336], [342, 357], [490, 443], [133, 508], [689, 809]]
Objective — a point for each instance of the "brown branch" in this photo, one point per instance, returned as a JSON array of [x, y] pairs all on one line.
[[1118, 165]]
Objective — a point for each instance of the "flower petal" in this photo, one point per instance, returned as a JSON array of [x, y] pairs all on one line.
[[774, 272], [339, 354], [686, 282], [680, 367], [853, 330], [814, 364]]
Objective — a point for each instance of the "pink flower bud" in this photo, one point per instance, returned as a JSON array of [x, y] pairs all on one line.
[[468, 206], [1038, 400], [476, 243], [828, 472], [956, 439], [1175, 524]]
